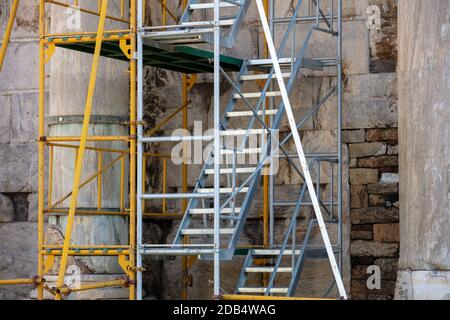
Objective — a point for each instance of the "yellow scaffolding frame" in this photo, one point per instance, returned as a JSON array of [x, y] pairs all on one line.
[[125, 254]]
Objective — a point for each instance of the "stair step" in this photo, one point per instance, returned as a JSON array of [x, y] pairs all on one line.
[[267, 63], [250, 77], [261, 290], [242, 132], [274, 252], [200, 6], [211, 210], [253, 95], [267, 270], [222, 190], [206, 231], [230, 170], [243, 151], [235, 114], [223, 23]]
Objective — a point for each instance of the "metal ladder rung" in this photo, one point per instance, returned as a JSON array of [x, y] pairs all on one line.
[[242, 132], [253, 95], [262, 290], [250, 77], [202, 6], [205, 231], [267, 270], [211, 211], [222, 190], [230, 170], [235, 114]]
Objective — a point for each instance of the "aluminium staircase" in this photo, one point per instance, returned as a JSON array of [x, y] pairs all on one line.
[[239, 181]]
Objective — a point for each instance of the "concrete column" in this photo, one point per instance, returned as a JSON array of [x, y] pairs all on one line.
[[69, 78], [424, 129]]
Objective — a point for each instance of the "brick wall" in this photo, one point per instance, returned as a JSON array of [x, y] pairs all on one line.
[[374, 209]]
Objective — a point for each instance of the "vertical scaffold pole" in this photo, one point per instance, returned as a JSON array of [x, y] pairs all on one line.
[[133, 200], [216, 149], [82, 148], [140, 83], [41, 158]]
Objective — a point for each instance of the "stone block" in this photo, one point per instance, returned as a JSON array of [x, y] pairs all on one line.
[[5, 119], [392, 150], [361, 235], [20, 68], [362, 248], [6, 209], [24, 118], [389, 268], [18, 257], [353, 136], [18, 172], [26, 24], [360, 290], [376, 162], [373, 135], [382, 188], [374, 215], [359, 197], [360, 176], [386, 232], [360, 150], [389, 177]]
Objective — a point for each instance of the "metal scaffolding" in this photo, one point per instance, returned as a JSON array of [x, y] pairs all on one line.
[[212, 218]]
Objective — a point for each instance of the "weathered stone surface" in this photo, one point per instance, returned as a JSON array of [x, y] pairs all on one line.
[[369, 102], [6, 209], [5, 119], [392, 150], [353, 136], [382, 135], [26, 24], [18, 172], [382, 188], [389, 178], [361, 235], [33, 207], [386, 232], [383, 40], [375, 162], [361, 248], [359, 197], [377, 200], [360, 290], [14, 73], [363, 176], [359, 150], [18, 256], [389, 267], [422, 285], [374, 215], [24, 118]]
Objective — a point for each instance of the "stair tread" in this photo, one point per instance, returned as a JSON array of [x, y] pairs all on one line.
[[261, 290], [188, 231], [268, 269]]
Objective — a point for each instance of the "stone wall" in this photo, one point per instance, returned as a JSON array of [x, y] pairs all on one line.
[[370, 121], [18, 149], [370, 112]]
